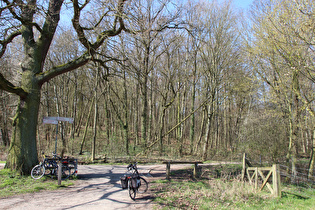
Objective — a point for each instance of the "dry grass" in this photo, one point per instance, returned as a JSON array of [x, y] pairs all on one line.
[[221, 188], [203, 194]]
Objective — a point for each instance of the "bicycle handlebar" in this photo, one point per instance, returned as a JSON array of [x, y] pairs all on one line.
[[132, 166]]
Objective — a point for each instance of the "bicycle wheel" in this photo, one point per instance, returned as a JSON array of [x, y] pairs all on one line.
[[66, 172], [38, 172], [143, 186], [132, 191]]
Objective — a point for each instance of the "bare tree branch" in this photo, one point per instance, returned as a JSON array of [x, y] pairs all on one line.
[[8, 40], [103, 35], [49, 27], [76, 25], [58, 70], [21, 19], [8, 86]]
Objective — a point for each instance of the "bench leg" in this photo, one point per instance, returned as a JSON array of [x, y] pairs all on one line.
[[195, 171], [168, 170]]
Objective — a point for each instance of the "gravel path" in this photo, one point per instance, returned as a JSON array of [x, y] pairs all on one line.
[[98, 187]]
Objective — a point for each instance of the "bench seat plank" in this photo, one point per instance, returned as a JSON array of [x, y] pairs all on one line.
[[168, 166]]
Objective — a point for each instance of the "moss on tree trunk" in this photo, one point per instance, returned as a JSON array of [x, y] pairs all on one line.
[[23, 149]]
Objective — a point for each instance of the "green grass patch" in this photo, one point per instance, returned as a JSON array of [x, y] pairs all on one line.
[[233, 194], [12, 183], [292, 197]]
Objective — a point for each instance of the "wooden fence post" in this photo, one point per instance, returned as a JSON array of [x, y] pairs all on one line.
[[276, 181], [256, 178], [244, 167]]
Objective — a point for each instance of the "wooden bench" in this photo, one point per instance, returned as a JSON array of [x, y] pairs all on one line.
[[168, 167]]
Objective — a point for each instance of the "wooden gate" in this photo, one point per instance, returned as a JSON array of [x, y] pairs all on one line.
[[254, 173]]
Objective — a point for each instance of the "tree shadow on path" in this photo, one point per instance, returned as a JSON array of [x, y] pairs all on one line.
[[105, 184]]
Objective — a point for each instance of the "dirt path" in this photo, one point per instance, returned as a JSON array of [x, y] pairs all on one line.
[[98, 187]]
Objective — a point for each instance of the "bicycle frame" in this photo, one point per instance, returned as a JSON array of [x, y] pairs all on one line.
[[49, 166], [135, 181]]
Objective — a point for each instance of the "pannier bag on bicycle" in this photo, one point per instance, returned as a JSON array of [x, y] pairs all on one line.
[[135, 182], [124, 182]]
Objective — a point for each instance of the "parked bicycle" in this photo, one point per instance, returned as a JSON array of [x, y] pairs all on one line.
[[49, 166], [134, 182]]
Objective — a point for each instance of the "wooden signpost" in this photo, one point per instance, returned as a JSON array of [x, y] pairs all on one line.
[[55, 121]]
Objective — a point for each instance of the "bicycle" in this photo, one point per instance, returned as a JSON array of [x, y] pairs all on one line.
[[49, 166], [134, 182]]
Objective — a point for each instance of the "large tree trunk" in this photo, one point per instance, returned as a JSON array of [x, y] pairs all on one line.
[[36, 44], [23, 149]]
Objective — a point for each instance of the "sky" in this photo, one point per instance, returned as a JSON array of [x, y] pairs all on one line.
[[241, 4], [244, 4]]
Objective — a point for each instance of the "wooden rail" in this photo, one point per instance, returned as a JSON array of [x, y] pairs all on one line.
[[168, 167]]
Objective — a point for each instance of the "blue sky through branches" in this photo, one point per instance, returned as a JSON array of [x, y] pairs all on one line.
[[239, 4], [243, 4]]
